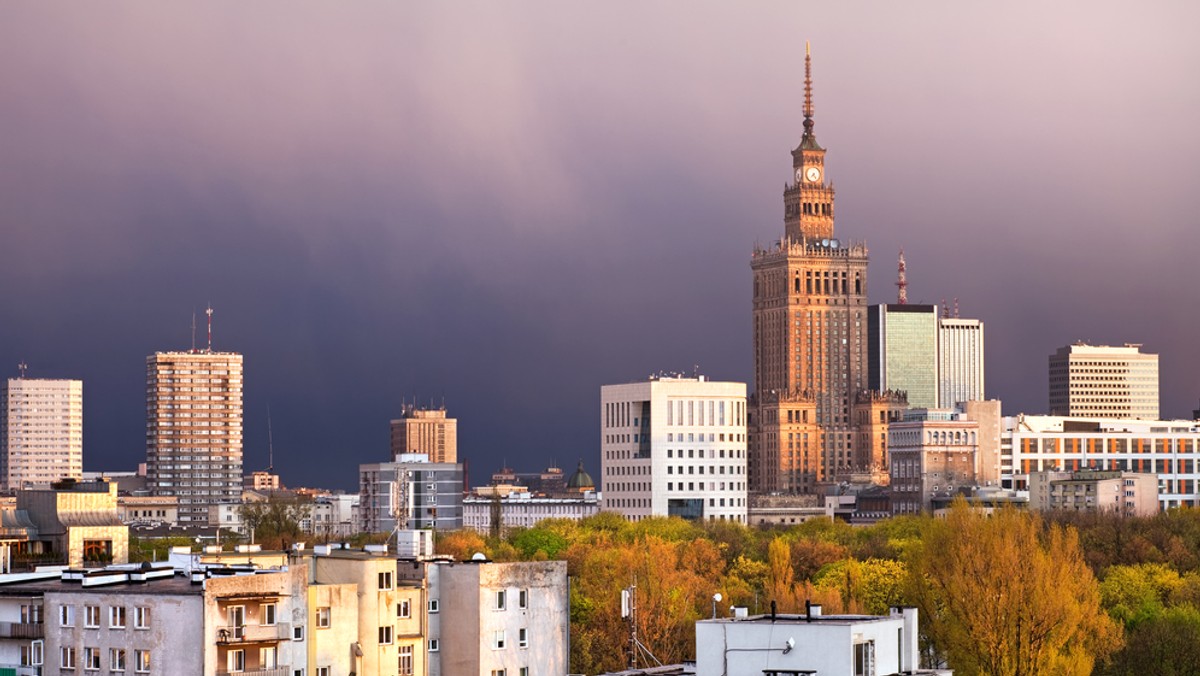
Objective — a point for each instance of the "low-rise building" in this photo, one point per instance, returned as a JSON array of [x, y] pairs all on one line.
[[520, 509], [78, 522], [858, 645], [785, 510], [1127, 493], [148, 510], [410, 494]]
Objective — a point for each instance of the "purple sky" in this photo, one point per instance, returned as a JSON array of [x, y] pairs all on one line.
[[508, 206]]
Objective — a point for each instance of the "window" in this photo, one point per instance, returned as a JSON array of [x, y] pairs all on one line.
[[500, 599], [864, 659], [91, 617], [498, 672], [116, 617], [433, 605], [298, 632], [31, 653], [141, 617], [66, 658], [66, 616], [91, 658], [522, 638], [385, 580], [523, 599], [322, 671], [235, 660], [434, 646], [498, 640], [268, 657], [406, 660], [116, 659], [268, 614], [403, 610], [323, 618], [31, 613], [385, 635], [524, 671]]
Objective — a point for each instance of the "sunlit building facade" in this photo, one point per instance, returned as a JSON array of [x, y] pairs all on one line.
[[41, 431]]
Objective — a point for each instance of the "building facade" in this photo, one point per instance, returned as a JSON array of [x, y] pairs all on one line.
[[809, 332], [674, 446], [522, 509], [1102, 381], [411, 494], [1126, 493], [41, 431], [902, 345], [194, 429], [425, 430], [960, 361]]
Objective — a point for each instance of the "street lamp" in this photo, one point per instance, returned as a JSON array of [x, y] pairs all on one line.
[[715, 600]]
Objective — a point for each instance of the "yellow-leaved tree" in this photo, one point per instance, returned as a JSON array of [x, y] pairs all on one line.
[[1006, 594]]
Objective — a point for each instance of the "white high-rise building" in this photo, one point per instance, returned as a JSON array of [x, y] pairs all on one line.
[[1104, 381], [194, 430], [960, 361], [41, 431], [673, 446]]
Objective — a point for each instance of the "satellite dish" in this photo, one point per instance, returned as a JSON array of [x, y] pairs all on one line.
[[479, 556]]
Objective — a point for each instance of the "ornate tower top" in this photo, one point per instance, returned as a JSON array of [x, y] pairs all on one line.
[[902, 281], [809, 142]]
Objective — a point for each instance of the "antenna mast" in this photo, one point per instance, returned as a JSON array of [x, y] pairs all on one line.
[[209, 313], [193, 330], [270, 444], [22, 367], [956, 308], [902, 281]]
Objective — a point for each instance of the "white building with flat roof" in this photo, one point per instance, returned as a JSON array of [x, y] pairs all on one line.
[[41, 431], [1104, 381], [674, 446], [960, 361], [521, 509]]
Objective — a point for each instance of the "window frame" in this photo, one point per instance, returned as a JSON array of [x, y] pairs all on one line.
[[324, 617], [91, 655], [435, 645], [66, 657], [501, 600], [268, 609], [387, 634], [141, 617], [88, 613], [113, 613], [113, 655], [66, 616], [141, 661], [404, 609]]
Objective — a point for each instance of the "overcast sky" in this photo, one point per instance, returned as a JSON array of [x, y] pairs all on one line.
[[507, 205]]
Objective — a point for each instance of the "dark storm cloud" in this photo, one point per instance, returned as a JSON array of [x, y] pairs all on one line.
[[510, 206]]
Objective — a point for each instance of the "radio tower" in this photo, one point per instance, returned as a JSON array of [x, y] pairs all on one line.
[[209, 312], [902, 281]]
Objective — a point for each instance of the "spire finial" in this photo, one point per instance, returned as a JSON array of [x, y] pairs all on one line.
[[808, 106], [902, 280]]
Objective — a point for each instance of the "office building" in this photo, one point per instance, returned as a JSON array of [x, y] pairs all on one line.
[[960, 361], [425, 430], [194, 430], [410, 494], [41, 431], [1102, 381], [902, 345], [1125, 493], [521, 509], [674, 446]]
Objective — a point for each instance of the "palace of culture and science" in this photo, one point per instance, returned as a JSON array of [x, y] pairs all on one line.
[[813, 420]]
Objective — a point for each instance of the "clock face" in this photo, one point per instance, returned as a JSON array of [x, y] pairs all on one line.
[[799, 174], [813, 174]]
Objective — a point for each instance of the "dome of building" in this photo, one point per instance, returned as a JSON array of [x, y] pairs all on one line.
[[581, 480]]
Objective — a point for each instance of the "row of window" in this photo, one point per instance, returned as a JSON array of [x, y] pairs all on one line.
[[117, 659], [500, 639], [117, 617]]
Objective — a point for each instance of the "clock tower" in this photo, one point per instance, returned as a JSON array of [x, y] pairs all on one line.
[[808, 198]]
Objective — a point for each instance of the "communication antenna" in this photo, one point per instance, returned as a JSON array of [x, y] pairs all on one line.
[[629, 610], [956, 308], [193, 330], [902, 281], [270, 444], [945, 310], [22, 367], [209, 312]]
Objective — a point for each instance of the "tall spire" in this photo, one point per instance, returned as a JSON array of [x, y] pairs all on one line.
[[810, 139], [902, 281]]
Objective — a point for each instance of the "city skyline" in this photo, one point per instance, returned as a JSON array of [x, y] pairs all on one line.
[[506, 208]]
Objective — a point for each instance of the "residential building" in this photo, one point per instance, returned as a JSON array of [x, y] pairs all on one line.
[[1169, 449], [1104, 381], [810, 335], [550, 481], [356, 598], [41, 432], [1126, 493], [960, 361], [936, 454], [425, 430], [410, 494], [784, 510], [194, 429], [495, 618], [333, 515], [77, 522], [809, 644], [522, 509], [262, 481], [147, 510], [674, 446], [902, 346]]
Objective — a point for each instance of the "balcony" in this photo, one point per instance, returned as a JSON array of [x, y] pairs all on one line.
[[253, 633], [277, 671], [22, 630]]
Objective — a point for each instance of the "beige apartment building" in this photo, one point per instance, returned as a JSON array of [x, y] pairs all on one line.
[[194, 430], [41, 431], [1126, 493], [1104, 381], [425, 430]]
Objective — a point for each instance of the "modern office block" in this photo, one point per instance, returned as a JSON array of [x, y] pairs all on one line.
[[1104, 381]]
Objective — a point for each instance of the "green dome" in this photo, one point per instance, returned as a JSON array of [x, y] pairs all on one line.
[[581, 480]]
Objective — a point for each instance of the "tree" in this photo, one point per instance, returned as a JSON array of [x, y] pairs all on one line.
[[275, 522], [872, 586], [1007, 595], [1168, 645], [781, 578], [1136, 593]]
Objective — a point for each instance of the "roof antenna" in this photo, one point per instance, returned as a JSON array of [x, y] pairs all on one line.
[[270, 444], [209, 313], [902, 281], [945, 310], [22, 367], [193, 330], [956, 308]]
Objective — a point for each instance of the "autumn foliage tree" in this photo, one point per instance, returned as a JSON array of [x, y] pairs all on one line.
[[1008, 595]]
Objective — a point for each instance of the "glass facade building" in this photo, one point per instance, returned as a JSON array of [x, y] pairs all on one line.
[[902, 347]]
